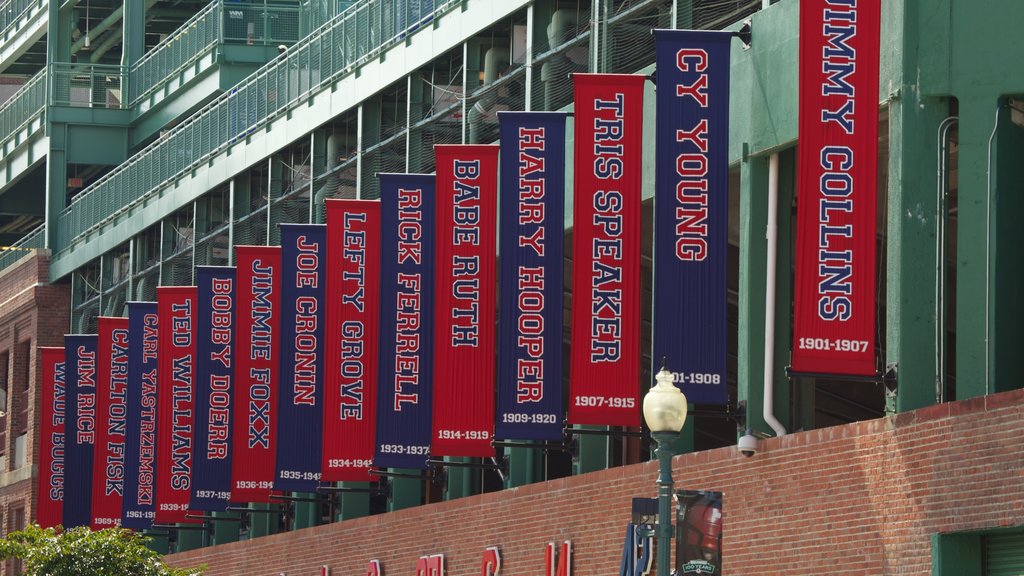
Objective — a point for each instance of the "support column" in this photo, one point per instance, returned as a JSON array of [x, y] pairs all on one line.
[[307, 514], [226, 531], [189, 539], [262, 523], [133, 33], [525, 466], [158, 542], [405, 492], [462, 482], [353, 504]]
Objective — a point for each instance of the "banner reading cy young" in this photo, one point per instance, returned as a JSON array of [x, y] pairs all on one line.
[[404, 397], [532, 221], [51, 439], [80, 363], [834, 300], [137, 506], [691, 211], [111, 422], [603, 388]]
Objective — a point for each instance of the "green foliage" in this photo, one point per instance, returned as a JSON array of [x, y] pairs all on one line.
[[82, 552]]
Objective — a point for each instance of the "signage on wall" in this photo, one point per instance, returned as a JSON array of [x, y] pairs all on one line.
[[557, 562]]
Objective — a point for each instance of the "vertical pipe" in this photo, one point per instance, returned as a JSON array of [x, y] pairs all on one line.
[[195, 230], [988, 251], [528, 57], [408, 118], [942, 174], [231, 222], [131, 270], [674, 14], [270, 182], [765, 4], [768, 410], [664, 453], [160, 278], [595, 33], [312, 194], [465, 86], [359, 151]]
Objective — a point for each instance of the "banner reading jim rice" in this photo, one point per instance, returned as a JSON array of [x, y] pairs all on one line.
[[404, 395], [834, 300], [138, 504], [532, 228], [300, 398], [108, 470], [691, 210], [603, 384], [52, 404], [353, 311], [80, 439]]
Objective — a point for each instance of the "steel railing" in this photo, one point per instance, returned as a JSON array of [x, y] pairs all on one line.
[[24, 106], [186, 45], [11, 254], [12, 10], [86, 85]]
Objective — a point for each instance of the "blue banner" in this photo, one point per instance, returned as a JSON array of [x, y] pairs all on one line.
[[215, 344], [532, 219], [691, 211], [80, 412], [406, 320], [300, 392], [138, 505]]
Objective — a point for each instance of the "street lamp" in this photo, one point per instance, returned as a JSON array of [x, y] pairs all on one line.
[[665, 413]]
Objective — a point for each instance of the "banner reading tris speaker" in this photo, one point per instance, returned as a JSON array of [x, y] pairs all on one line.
[[51, 438], [834, 302], [605, 369]]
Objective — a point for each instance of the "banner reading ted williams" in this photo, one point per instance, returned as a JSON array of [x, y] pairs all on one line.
[[176, 360], [353, 313], [111, 422], [49, 505], [691, 231], [215, 334], [531, 248], [605, 358], [138, 504], [404, 396], [257, 311], [467, 214], [834, 301], [300, 398], [80, 437]]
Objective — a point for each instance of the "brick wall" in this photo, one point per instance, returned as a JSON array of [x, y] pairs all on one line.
[[863, 498]]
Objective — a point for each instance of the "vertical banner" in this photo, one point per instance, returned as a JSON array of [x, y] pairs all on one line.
[[300, 398], [834, 300], [138, 504], [464, 339], [353, 311], [404, 397], [176, 360], [111, 422], [691, 231], [532, 228], [605, 358], [256, 364], [698, 532], [49, 504], [215, 334], [80, 436]]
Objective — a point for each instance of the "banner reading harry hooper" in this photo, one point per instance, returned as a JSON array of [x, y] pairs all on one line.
[[532, 221], [80, 375], [834, 300], [137, 506], [51, 438], [111, 422], [691, 210]]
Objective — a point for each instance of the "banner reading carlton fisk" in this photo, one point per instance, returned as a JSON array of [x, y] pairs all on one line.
[[52, 404], [80, 437], [605, 358], [300, 399], [531, 248], [467, 214], [353, 311], [691, 210], [111, 422], [257, 315], [404, 395], [215, 335], [138, 504], [834, 301]]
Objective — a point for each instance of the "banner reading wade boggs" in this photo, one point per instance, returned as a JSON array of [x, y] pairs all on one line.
[[691, 210], [51, 438], [834, 300], [80, 363], [531, 248], [111, 422], [138, 504]]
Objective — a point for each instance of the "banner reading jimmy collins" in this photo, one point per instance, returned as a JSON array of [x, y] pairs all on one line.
[[137, 505], [111, 422], [51, 438]]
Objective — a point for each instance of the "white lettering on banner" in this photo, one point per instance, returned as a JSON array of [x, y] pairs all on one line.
[[692, 165]]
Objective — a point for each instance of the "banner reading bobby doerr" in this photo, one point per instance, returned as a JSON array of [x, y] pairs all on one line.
[[137, 506], [404, 396], [50, 502], [532, 225], [80, 366], [111, 422], [834, 300], [603, 385], [691, 210]]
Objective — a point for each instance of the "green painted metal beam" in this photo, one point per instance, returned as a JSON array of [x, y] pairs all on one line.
[[189, 539], [307, 514], [353, 504], [227, 530], [405, 492]]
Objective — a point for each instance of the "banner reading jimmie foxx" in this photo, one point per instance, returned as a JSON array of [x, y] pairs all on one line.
[[52, 405], [137, 506], [111, 422], [80, 440]]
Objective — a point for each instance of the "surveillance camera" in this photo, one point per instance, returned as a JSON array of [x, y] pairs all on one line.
[[747, 444]]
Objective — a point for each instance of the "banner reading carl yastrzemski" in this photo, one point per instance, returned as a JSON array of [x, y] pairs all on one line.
[[138, 504], [51, 438], [80, 438], [108, 472]]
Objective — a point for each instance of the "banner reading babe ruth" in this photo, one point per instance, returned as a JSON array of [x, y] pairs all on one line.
[[111, 422], [464, 339], [138, 504], [605, 358], [404, 394], [353, 314], [52, 404], [257, 361], [691, 210], [834, 300], [80, 438], [531, 248]]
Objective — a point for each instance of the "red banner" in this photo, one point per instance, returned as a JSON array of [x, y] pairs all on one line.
[[49, 504], [111, 421], [464, 301], [604, 385], [834, 325], [257, 311], [353, 315]]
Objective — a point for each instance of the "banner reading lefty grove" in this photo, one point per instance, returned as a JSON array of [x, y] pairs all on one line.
[[111, 422], [605, 355], [834, 300], [691, 211], [137, 506], [80, 374], [51, 438]]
